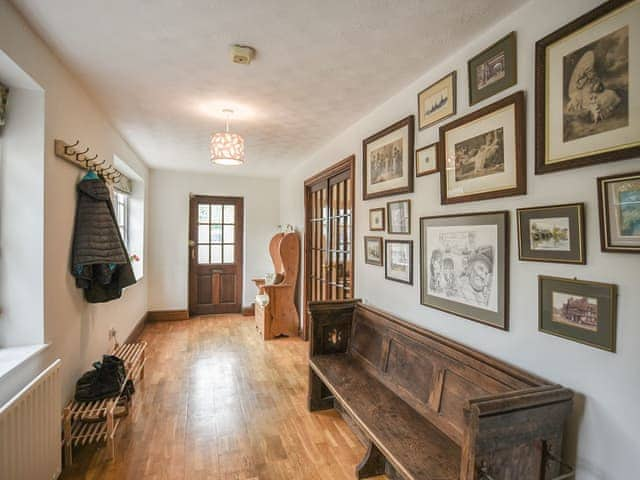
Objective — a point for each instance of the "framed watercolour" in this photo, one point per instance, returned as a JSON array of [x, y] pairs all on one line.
[[4, 95], [483, 153], [619, 202], [584, 312], [376, 219], [493, 70], [588, 90], [464, 266], [399, 217], [388, 161], [552, 234], [373, 251], [399, 261], [437, 101], [427, 160]]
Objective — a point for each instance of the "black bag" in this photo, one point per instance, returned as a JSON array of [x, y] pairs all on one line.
[[105, 381]]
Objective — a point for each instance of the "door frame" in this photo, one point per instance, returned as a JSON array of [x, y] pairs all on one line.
[[344, 165], [191, 255]]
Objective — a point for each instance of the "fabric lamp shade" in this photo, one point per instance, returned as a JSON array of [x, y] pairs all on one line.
[[227, 148]]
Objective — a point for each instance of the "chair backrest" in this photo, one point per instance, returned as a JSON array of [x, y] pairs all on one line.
[[284, 249]]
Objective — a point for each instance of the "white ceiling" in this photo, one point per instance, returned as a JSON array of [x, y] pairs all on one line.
[[161, 68]]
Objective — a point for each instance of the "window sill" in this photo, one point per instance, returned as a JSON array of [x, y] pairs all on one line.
[[13, 357]]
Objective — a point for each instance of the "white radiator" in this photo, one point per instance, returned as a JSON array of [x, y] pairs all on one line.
[[30, 430]]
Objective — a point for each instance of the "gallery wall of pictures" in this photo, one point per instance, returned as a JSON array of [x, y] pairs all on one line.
[[529, 258]]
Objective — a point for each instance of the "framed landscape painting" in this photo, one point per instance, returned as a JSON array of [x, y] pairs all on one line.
[[619, 202], [577, 310], [399, 261], [427, 160], [552, 234], [437, 101], [483, 153], [464, 266], [399, 217], [493, 69], [376, 219], [588, 89], [373, 251], [387, 167]]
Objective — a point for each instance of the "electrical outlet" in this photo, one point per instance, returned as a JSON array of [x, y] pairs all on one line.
[[112, 333]]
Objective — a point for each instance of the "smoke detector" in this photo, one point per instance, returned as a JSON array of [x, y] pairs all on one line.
[[242, 54]]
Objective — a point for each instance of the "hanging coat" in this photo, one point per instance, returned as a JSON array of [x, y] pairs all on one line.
[[100, 262]]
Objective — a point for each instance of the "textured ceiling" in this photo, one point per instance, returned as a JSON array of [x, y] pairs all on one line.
[[161, 69]]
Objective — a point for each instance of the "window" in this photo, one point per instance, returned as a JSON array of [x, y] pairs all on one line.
[[121, 207], [216, 231]]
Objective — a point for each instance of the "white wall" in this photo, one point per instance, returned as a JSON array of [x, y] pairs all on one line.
[[606, 419], [169, 230], [77, 331]]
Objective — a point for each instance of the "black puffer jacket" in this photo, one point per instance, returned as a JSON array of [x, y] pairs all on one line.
[[100, 261]]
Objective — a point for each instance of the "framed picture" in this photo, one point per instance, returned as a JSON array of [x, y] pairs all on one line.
[[437, 101], [587, 90], [584, 312], [399, 261], [427, 160], [483, 153], [376, 219], [399, 216], [552, 234], [373, 251], [619, 202], [464, 266], [388, 161], [493, 70], [4, 95]]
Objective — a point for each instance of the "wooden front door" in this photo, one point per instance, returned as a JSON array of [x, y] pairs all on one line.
[[215, 254], [329, 210]]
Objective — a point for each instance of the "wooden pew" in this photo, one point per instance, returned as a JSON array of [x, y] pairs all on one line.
[[429, 408]]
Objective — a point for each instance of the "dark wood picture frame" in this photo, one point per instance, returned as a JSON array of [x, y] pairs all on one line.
[[434, 145], [454, 95], [516, 99], [604, 213], [409, 123], [604, 337], [577, 237], [389, 225], [541, 166], [367, 260], [386, 260], [382, 211], [467, 311], [509, 45]]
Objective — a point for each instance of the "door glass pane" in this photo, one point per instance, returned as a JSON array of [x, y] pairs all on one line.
[[229, 213], [203, 254], [203, 233], [229, 233], [216, 253], [228, 254], [216, 213], [216, 233], [203, 213]]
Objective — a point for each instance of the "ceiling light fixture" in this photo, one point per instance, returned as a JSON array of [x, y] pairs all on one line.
[[227, 148]]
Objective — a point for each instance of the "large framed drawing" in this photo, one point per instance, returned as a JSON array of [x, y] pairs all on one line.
[[619, 202], [493, 70], [398, 265], [552, 234], [577, 310], [387, 167], [464, 266], [588, 90], [437, 101], [483, 154]]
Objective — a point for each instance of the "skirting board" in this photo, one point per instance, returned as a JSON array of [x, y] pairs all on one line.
[[165, 315], [137, 330], [249, 311]]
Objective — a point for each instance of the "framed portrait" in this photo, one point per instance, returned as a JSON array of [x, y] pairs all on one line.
[[588, 90], [387, 167], [398, 264], [483, 153], [373, 251], [427, 160], [493, 70], [4, 96], [399, 217], [464, 266], [552, 234], [619, 205], [376, 219], [584, 312], [437, 101]]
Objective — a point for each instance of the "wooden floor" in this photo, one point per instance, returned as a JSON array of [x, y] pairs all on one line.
[[219, 403]]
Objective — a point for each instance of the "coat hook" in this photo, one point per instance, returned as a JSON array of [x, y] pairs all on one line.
[[96, 166], [79, 154], [87, 161], [70, 147]]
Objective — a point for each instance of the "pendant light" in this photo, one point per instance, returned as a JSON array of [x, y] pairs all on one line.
[[227, 148]]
